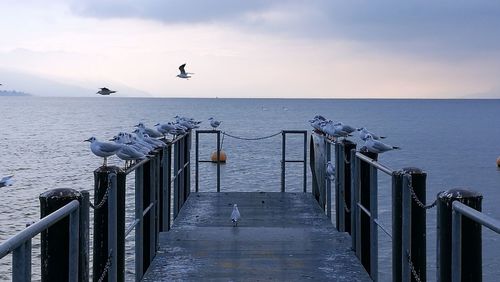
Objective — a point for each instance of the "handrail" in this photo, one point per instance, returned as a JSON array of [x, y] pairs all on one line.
[[477, 216], [375, 163], [34, 229]]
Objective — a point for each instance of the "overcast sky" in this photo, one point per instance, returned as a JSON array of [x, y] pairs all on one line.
[[258, 48]]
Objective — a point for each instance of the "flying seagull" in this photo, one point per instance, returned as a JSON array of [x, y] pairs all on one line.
[[183, 73], [6, 181], [235, 215], [105, 91]]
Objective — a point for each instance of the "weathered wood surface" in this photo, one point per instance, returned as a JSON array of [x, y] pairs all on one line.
[[281, 236], [318, 168]]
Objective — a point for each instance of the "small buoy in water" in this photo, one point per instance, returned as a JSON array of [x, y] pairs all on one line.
[[222, 156], [498, 161]]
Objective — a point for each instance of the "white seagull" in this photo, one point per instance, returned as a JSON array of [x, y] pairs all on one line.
[[150, 131], [363, 133], [330, 171], [183, 73], [376, 146], [102, 149], [7, 180], [235, 215], [214, 123], [105, 91]]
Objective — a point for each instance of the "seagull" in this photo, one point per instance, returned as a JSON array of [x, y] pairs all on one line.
[[150, 131], [376, 146], [105, 91], [363, 133], [7, 180], [235, 215], [183, 73], [330, 171], [102, 149], [214, 123]]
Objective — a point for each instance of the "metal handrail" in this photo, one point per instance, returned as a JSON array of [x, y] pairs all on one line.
[[459, 209], [477, 216], [376, 164], [37, 227], [20, 244]]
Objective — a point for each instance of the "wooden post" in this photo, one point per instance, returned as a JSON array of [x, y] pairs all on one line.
[[55, 240], [102, 193], [346, 148], [471, 245], [84, 249], [417, 224]]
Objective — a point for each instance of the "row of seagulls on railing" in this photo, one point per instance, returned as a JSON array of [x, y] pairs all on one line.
[[335, 130], [141, 143]]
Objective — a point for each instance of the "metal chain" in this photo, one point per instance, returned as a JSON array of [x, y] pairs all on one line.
[[252, 139], [106, 267], [345, 158], [345, 207], [412, 268], [104, 198], [416, 199]]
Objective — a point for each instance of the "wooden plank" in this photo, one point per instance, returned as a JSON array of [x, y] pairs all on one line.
[[281, 236]]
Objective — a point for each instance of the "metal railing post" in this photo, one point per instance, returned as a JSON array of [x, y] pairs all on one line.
[[139, 228], [354, 199], [283, 163], [305, 164], [218, 160], [197, 158], [329, 184], [19, 265], [176, 179], [373, 223], [365, 219], [169, 186]]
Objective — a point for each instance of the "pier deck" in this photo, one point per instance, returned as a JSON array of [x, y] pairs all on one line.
[[281, 236]]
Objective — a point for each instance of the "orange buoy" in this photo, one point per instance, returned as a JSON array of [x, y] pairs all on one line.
[[498, 161], [222, 156]]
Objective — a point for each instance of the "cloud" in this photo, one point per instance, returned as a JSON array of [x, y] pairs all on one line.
[[442, 28]]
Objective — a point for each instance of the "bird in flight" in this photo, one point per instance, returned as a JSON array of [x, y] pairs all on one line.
[[183, 73], [105, 91]]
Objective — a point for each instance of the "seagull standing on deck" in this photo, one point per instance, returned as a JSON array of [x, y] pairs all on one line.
[[183, 73], [235, 215], [105, 91]]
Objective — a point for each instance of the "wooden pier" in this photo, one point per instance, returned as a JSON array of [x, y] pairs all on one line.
[[281, 236]]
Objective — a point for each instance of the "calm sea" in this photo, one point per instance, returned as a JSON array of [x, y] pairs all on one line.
[[455, 141]]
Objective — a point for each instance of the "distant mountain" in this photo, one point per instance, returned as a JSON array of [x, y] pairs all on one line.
[[42, 86], [12, 93]]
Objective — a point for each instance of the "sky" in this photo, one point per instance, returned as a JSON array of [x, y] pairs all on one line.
[[259, 48]]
